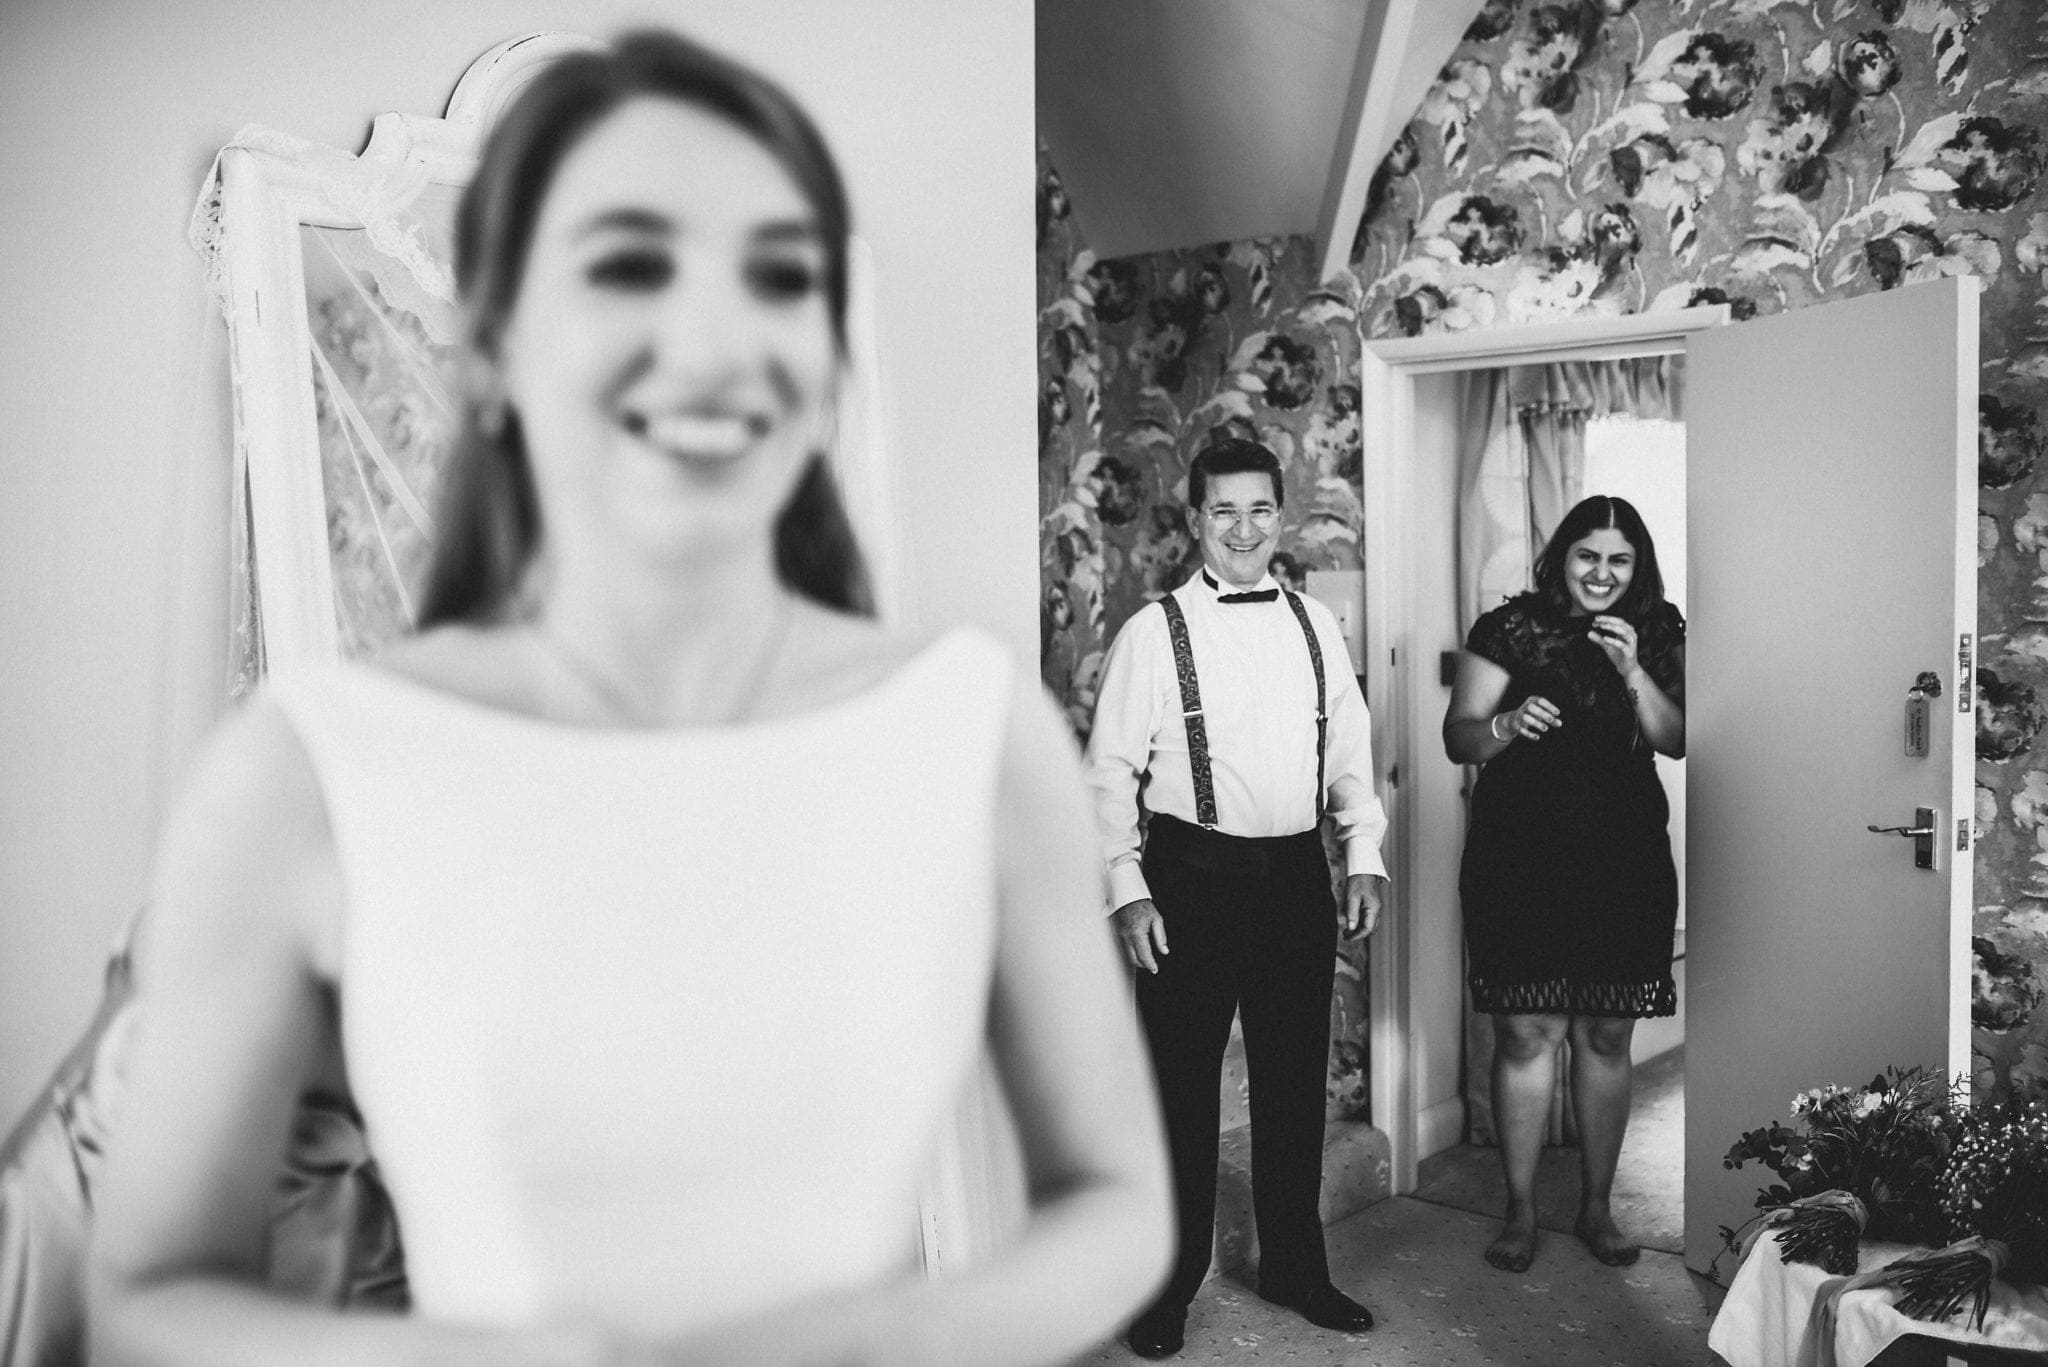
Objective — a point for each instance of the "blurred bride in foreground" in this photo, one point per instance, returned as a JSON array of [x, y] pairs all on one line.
[[660, 900]]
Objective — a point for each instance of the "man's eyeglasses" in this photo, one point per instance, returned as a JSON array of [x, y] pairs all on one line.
[[1224, 518]]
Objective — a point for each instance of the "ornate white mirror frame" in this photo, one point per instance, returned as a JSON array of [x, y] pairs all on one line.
[[268, 188]]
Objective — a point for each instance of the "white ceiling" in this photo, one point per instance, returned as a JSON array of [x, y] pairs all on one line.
[[1176, 123]]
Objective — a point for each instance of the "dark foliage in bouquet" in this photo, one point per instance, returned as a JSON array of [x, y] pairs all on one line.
[[1887, 1144]]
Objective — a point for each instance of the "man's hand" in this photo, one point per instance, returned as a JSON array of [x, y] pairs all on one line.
[[1364, 894], [1142, 932]]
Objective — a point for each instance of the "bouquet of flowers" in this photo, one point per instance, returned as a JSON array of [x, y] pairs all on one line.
[[1995, 1195], [1904, 1159], [1885, 1144]]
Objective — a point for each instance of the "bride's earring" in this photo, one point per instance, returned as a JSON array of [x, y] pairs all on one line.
[[490, 410]]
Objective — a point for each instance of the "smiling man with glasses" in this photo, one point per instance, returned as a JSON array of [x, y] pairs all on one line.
[[1231, 706]]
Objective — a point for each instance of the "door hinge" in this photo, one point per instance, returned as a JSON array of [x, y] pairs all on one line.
[[1966, 673], [1962, 833], [1394, 775]]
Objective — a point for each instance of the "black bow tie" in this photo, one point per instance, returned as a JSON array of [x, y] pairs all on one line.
[[1257, 596]]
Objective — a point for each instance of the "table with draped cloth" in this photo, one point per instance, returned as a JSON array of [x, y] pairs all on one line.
[[1768, 1318]]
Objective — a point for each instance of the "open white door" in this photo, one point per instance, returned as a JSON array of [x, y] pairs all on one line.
[[1831, 511]]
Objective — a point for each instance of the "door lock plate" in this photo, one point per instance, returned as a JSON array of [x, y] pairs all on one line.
[[1926, 823]]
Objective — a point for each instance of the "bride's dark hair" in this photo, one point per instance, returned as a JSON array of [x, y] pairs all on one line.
[[488, 525]]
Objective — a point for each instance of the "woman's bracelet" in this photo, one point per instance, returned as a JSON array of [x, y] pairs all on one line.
[[1493, 728]]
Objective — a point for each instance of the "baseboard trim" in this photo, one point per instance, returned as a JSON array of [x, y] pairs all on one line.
[[1440, 1127]]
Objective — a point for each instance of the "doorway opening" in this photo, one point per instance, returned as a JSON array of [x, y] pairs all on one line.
[[1641, 459], [1786, 888], [1412, 621]]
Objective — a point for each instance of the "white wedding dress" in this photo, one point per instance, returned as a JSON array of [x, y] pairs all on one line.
[[659, 1027]]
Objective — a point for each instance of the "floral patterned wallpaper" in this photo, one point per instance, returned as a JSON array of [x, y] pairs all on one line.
[[1612, 156], [1142, 359]]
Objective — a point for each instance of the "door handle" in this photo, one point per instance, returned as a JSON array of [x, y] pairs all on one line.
[[1921, 833]]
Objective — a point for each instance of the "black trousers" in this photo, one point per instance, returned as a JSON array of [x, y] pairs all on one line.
[[1250, 929]]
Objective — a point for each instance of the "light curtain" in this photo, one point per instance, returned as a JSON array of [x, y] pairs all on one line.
[[1493, 520], [1522, 459], [382, 355]]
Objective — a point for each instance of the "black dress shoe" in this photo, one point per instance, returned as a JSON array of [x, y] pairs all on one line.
[[1157, 1333], [1327, 1308]]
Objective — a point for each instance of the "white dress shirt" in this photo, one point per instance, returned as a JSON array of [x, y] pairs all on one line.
[[1259, 704]]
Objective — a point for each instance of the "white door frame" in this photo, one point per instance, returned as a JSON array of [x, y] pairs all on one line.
[[1398, 669]]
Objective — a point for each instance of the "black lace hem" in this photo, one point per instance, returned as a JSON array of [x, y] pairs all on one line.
[[1562, 996]]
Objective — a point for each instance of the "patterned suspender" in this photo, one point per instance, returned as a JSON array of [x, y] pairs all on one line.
[[1315, 657], [1191, 704], [1191, 712]]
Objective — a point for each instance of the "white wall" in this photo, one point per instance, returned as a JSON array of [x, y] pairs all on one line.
[[113, 493]]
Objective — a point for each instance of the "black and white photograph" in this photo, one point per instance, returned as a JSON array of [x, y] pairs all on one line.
[[569, 803]]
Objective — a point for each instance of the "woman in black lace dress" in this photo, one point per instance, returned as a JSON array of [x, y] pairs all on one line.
[[1566, 694]]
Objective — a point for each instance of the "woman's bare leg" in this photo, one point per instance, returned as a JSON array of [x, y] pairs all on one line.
[[1524, 1076], [1600, 1080]]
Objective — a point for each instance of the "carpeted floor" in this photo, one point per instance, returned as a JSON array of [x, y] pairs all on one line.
[[1415, 1261], [1417, 1265]]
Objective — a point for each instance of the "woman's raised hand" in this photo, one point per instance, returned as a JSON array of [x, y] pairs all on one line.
[[1617, 641], [1530, 720]]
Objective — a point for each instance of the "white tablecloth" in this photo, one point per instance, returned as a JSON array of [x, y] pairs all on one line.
[[1763, 1322]]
